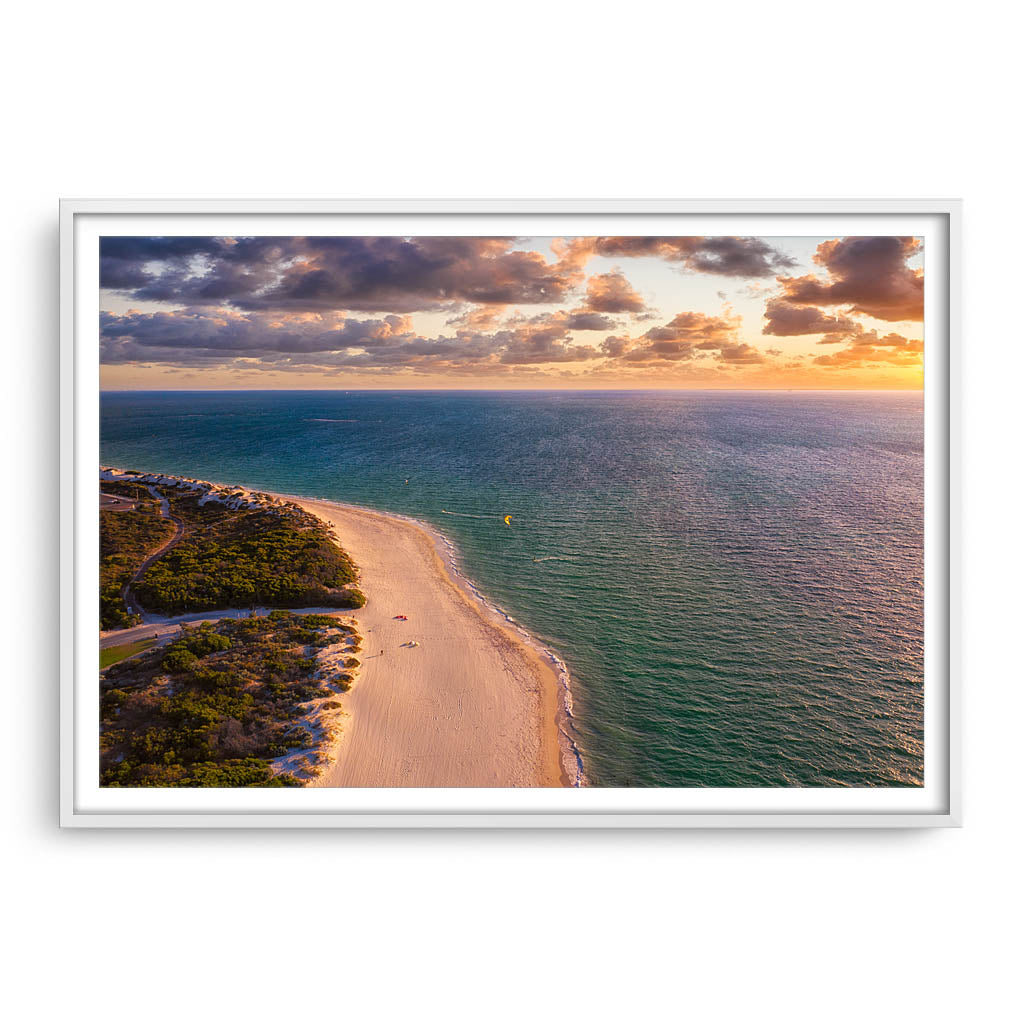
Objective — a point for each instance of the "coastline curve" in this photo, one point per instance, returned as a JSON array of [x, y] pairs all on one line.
[[570, 755]]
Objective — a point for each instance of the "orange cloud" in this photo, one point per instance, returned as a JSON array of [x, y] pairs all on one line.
[[612, 293], [867, 275], [479, 318], [786, 320], [687, 336], [868, 349]]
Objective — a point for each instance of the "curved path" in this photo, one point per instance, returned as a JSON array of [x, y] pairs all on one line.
[[133, 606]]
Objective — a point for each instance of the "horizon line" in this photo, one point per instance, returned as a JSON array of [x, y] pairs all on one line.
[[221, 391]]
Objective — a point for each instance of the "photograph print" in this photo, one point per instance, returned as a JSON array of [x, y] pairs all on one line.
[[495, 512]]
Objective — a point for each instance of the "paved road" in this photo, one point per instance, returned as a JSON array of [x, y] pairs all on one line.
[[168, 628], [163, 631], [115, 503]]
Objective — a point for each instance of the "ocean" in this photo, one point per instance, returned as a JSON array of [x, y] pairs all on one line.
[[734, 579]]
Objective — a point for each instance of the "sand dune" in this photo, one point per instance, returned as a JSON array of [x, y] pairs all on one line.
[[472, 705]]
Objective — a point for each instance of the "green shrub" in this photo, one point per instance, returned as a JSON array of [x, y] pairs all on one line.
[[206, 641], [179, 659], [126, 539], [224, 714]]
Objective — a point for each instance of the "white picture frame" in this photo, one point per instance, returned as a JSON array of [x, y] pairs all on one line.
[[937, 803]]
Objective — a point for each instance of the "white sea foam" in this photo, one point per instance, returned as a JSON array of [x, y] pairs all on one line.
[[572, 758], [242, 496]]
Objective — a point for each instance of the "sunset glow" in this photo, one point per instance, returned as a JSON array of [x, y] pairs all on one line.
[[470, 312]]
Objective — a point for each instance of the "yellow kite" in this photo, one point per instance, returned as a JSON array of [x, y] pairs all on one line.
[[508, 520]]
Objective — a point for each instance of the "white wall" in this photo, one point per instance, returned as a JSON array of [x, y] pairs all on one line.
[[527, 99]]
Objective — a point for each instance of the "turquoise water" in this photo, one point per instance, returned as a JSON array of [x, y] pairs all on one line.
[[734, 579]]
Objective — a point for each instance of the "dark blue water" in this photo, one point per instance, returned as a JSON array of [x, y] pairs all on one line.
[[735, 579]]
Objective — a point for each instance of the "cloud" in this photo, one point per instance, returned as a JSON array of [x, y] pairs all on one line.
[[866, 275], [725, 255], [547, 338], [615, 345], [612, 293], [687, 336], [226, 332], [586, 320], [332, 342], [207, 337], [867, 348], [740, 354], [786, 320], [486, 318], [335, 305], [540, 348], [385, 274], [478, 318], [370, 274]]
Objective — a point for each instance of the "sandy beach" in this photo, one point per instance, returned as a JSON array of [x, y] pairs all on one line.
[[471, 705]]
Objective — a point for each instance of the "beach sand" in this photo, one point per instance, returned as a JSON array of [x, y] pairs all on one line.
[[472, 705]]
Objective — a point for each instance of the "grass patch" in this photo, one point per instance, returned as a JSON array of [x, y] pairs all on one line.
[[112, 655]]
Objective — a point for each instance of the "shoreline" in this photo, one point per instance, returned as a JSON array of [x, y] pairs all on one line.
[[482, 703], [554, 674], [477, 719]]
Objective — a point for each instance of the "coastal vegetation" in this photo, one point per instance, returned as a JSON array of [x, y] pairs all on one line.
[[274, 555], [127, 537], [241, 702], [234, 702], [236, 550]]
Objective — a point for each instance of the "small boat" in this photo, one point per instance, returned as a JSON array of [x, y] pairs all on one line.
[[403, 618]]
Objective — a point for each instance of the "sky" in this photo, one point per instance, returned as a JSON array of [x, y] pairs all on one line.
[[488, 312]]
